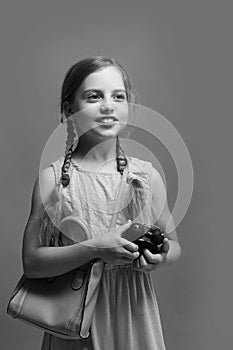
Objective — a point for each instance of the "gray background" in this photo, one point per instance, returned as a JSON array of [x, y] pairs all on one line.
[[179, 56]]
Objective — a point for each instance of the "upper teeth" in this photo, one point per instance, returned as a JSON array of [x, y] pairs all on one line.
[[107, 120]]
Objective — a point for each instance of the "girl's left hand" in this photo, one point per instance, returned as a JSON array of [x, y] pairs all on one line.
[[149, 262]]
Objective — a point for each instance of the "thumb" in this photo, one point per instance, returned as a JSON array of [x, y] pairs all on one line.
[[125, 227]]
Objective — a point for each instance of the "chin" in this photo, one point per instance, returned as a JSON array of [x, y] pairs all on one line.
[[100, 136], [107, 133], [106, 136]]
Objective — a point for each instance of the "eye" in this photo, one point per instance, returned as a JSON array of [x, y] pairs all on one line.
[[119, 97], [93, 97]]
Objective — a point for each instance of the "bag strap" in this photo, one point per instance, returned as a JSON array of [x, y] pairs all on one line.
[[120, 196]]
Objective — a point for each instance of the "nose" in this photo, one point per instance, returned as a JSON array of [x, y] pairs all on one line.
[[106, 107]]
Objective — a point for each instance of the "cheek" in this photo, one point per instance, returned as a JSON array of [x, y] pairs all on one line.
[[84, 117], [123, 112]]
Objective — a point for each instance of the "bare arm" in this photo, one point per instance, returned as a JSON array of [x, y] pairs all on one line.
[[165, 220], [40, 261], [171, 247]]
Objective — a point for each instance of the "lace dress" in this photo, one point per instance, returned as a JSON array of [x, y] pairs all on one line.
[[126, 314]]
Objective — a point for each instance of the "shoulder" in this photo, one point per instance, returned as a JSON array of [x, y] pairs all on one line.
[[43, 187], [149, 172], [158, 188], [138, 165], [45, 184], [157, 179], [145, 170]]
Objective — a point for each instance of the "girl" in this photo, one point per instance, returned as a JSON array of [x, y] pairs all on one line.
[[85, 183]]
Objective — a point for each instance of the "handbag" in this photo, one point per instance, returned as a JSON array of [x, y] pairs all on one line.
[[63, 305]]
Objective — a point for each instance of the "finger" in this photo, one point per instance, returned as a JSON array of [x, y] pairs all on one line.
[[130, 255], [132, 247], [142, 261], [152, 258], [136, 264], [165, 245]]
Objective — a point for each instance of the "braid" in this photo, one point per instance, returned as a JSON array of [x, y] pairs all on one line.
[[120, 157], [70, 133], [65, 178], [51, 212]]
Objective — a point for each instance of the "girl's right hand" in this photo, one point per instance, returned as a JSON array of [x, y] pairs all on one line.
[[114, 249]]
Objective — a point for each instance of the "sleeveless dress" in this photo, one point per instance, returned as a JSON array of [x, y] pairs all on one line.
[[126, 314]]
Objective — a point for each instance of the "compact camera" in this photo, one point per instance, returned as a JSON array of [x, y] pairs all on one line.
[[146, 237]]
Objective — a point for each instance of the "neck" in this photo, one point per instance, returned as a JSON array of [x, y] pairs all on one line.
[[95, 152]]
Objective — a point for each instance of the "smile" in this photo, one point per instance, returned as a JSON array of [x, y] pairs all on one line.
[[107, 120]]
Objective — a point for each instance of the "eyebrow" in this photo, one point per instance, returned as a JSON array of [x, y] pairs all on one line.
[[100, 91]]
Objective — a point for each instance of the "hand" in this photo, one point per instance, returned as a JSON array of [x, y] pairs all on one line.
[[114, 249], [149, 262]]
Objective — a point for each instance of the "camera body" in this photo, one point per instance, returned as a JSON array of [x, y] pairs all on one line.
[[146, 237]]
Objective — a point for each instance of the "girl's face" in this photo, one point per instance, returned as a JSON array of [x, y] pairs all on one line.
[[102, 104]]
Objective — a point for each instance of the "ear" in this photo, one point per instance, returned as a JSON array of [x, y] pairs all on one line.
[[68, 109]]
